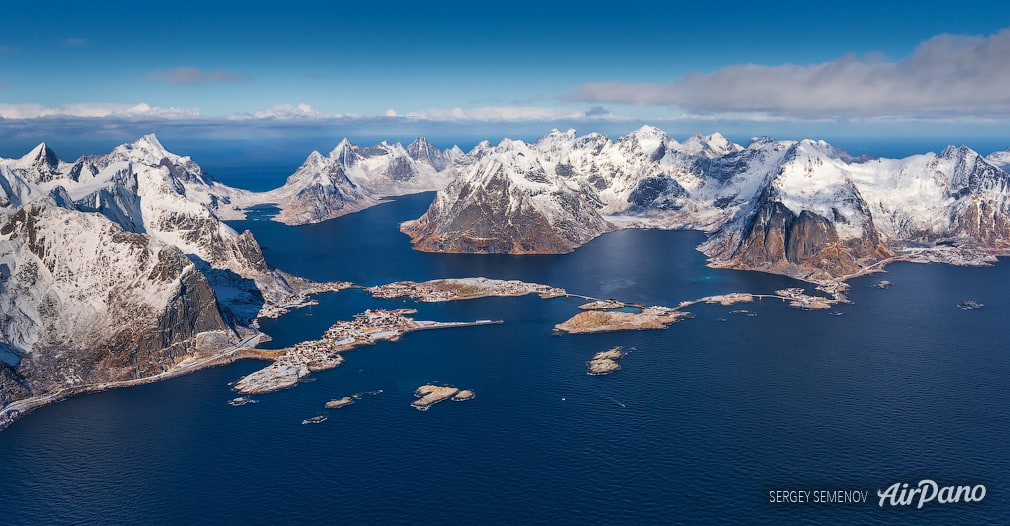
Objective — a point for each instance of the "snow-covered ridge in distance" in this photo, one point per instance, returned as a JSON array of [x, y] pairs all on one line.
[[800, 208], [831, 214]]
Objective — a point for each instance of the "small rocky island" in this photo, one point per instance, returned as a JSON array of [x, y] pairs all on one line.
[[430, 394], [339, 402], [462, 289], [605, 362], [606, 321], [970, 305], [600, 316]]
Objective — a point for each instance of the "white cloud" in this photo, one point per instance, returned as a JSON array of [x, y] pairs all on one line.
[[391, 113], [284, 112], [498, 113], [93, 110], [189, 75], [947, 75]]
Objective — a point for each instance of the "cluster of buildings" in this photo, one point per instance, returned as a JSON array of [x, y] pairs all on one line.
[[454, 289], [368, 326]]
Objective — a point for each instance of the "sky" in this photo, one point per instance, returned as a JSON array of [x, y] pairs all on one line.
[[88, 76]]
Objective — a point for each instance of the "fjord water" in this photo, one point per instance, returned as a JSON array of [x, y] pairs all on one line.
[[702, 421]]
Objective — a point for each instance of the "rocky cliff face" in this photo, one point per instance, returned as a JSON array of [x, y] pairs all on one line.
[[85, 301], [317, 191], [507, 203], [392, 169], [800, 208], [809, 221], [145, 189], [351, 178]]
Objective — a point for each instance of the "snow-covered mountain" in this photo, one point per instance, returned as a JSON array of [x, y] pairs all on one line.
[[145, 189], [118, 266], [83, 301], [508, 202], [318, 190], [808, 220], [1000, 159], [392, 169], [644, 178], [351, 178], [801, 208]]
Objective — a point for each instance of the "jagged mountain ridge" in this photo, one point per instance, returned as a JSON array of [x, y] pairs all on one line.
[[351, 178], [118, 266], [165, 258], [801, 208], [508, 203], [148, 190], [83, 301]]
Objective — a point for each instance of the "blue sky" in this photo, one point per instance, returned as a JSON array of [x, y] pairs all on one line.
[[786, 69]]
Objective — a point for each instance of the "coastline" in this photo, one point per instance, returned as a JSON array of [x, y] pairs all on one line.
[[463, 288], [19, 408]]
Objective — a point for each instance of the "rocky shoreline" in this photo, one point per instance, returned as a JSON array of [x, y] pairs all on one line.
[[431, 394], [605, 362], [294, 363]]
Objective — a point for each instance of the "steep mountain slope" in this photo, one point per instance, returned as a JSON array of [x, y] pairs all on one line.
[[925, 198], [351, 178], [799, 208], [82, 301], [146, 189], [1000, 159], [507, 203], [390, 169], [317, 191], [809, 220]]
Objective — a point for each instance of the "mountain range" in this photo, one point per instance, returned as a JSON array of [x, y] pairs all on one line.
[[121, 266], [800, 208]]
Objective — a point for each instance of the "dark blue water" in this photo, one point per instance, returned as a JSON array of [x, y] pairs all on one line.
[[703, 419]]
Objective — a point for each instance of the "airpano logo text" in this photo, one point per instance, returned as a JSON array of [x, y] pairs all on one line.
[[928, 492]]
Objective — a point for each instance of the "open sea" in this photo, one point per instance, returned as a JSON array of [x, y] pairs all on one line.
[[701, 422]]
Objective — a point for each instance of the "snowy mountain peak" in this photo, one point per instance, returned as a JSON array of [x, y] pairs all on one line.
[[146, 150], [150, 143], [420, 144], [648, 131], [648, 141], [40, 156], [1000, 159], [957, 152], [422, 150], [344, 153], [712, 146], [570, 134], [757, 143]]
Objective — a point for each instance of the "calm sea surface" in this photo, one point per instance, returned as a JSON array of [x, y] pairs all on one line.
[[702, 421]]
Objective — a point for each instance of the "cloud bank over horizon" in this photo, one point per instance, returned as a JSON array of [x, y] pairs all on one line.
[[948, 76]]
